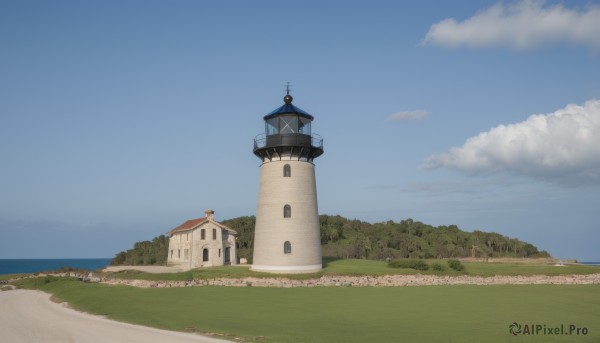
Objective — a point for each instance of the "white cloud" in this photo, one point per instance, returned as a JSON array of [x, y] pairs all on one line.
[[563, 146], [408, 116], [521, 25]]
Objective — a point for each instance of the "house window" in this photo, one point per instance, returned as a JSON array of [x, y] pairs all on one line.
[[171, 253], [202, 234], [287, 171], [178, 253], [287, 211], [219, 252], [187, 236], [214, 234], [287, 247], [205, 255]]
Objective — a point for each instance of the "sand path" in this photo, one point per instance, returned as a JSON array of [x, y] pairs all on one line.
[[30, 316]]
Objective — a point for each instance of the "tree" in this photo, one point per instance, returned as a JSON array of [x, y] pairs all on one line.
[[352, 238], [144, 253]]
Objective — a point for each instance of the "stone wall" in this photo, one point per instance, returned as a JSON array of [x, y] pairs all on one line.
[[370, 281], [341, 281]]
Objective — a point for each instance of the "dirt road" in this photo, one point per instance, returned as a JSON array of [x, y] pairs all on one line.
[[30, 316]]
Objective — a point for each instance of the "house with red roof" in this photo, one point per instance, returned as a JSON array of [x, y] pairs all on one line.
[[201, 242]]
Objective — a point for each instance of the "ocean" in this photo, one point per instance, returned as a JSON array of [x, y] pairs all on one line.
[[15, 266]]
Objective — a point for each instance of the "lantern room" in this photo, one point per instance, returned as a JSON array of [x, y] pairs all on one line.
[[288, 132]]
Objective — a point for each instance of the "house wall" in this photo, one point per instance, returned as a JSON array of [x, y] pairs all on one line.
[[180, 249], [229, 242], [195, 245]]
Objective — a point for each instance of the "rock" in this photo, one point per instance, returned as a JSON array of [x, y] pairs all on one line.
[[365, 281]]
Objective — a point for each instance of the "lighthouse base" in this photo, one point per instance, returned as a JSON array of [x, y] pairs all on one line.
[[313, 268]]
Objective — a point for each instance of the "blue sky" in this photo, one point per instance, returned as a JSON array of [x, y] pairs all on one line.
[[121, 119]]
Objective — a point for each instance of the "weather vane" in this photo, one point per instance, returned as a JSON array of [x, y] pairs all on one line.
[[287, 88]]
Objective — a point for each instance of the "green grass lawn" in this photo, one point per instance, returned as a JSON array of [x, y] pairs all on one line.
[[368, 267], [204, 274], [344, 314], [491, 269]]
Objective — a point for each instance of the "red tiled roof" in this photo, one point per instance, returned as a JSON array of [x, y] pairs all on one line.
[[194, 223], [188, 225]]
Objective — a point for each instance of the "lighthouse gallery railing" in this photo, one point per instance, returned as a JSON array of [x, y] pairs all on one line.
[[294, 139]]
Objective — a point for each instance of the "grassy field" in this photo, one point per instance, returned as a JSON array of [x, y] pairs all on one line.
[[344, 314], [369, 267], [491, 269], [204, 274]]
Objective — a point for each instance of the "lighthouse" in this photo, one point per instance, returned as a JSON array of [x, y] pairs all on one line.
[[287, 236]]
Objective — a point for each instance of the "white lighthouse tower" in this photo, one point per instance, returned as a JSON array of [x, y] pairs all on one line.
[[287, 236]]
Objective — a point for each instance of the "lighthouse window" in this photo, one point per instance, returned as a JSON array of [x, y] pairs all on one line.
[[287, 211], [287, 171], [287, 247], [273, 126], [289, 124], [304, 126]]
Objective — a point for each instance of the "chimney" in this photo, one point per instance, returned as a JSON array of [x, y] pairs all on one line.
[[210, 214]]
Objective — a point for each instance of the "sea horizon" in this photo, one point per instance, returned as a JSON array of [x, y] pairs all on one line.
[[56, 258], [36, 265]]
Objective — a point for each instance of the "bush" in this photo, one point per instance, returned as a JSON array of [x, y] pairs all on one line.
[[437, 267], [420, 265], [456, 265], [409, 264], [50, 278]]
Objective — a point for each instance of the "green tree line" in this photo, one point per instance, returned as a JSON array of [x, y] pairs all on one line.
[[352, 238], [144, 253], [346, 238]]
